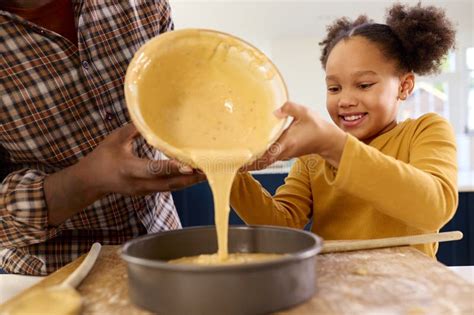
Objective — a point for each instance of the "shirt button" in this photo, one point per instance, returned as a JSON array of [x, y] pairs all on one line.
[[85, 64], [109, 116]]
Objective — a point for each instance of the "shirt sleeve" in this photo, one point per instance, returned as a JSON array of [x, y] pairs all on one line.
[[422, 193], [164, 16], [290, 206], [23, 210]]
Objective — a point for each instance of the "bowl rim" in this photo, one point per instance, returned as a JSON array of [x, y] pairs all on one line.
[[165, 147], [164, 265]]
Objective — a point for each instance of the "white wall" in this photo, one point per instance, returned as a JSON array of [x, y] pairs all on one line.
[[298, 60]]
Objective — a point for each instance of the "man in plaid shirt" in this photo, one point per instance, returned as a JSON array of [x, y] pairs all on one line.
[[74, 170]]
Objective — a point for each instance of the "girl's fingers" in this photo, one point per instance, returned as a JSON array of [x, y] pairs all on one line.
[[291, 109], [269, 157]]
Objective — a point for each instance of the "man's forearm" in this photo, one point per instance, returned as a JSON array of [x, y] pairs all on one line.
[[67, 193]]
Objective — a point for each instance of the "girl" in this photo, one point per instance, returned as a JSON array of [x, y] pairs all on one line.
[[367, 175]]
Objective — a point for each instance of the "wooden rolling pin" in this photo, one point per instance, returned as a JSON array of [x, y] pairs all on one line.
[[345, 246]]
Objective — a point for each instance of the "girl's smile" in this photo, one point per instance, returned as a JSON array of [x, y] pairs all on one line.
[[349, 120]]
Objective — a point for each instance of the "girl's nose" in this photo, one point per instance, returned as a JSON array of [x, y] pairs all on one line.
[[347, 101]]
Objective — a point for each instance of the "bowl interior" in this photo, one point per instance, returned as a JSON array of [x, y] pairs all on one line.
[[202, 89], [202, 240]]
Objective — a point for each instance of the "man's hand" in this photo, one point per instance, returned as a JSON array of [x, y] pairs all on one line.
[[112, 168]]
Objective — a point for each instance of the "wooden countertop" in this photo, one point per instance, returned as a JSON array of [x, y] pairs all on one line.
[[393, 280]]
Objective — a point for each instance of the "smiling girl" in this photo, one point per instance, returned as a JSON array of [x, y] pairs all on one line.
[[367, 175]]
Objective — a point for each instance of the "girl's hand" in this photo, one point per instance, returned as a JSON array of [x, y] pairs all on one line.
[[307, 134]]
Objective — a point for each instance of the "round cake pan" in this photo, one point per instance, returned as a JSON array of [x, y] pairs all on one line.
[[254, 288]]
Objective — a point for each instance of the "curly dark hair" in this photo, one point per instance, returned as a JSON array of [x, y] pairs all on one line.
[[417, 37]]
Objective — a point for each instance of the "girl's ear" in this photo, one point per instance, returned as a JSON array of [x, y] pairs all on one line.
[[407, 83]]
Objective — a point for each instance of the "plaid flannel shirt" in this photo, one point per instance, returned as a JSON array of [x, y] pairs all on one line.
[[58, 102]]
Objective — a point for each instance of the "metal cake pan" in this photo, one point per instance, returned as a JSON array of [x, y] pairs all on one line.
[[254, 288]]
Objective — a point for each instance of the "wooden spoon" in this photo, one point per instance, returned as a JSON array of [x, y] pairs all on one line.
[[58, 299], [351, 245]]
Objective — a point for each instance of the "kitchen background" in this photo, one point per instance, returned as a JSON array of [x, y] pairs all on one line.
[[289, 31]]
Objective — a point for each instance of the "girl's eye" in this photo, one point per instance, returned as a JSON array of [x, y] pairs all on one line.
[[333, 89], [365, 86]]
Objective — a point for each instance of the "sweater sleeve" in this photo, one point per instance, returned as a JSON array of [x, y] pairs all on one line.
[[290, 206], [422, 193], [23, 210]]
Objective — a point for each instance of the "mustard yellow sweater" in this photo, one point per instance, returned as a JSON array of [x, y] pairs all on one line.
[[403, 183]]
